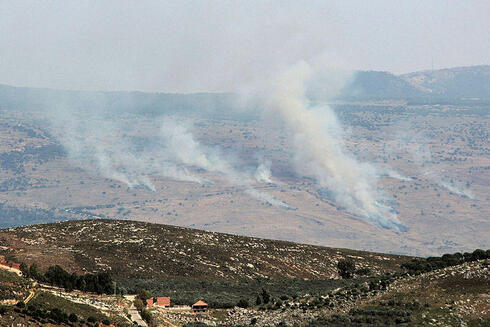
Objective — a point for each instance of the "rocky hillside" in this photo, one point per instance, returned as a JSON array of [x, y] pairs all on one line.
[[453, 296], [142, 250]]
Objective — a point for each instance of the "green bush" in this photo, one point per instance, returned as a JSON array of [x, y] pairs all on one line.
[[346, 268], [73, 317], [242, 303]]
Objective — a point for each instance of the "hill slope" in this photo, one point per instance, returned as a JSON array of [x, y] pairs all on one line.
[[142, 250], [460, 82]]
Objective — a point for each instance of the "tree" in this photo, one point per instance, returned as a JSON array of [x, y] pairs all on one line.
[[265, 296], [144, 295], [346, 268], [146, 316], [138, 304], [35, 273], [258, 301], [25, 269], [478, 254], [73, 317], [242, 303]]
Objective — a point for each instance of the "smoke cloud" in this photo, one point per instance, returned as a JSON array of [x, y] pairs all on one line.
[[319, 149], [268, 55], [263, 172]]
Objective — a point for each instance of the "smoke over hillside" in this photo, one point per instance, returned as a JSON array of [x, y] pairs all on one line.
[[320, 152], [278, 58], [134, 148]]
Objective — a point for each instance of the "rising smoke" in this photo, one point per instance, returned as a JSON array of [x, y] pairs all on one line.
[[111, 144], [256, 57], [320, 152]]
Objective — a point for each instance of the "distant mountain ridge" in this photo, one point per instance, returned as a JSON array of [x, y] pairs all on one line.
[[451, 83], [459, 82]]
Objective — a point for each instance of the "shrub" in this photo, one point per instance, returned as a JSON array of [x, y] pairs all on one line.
[[265, 296], [146, 316], [346, 268], [363, 271], [242, 303], [73, 317]]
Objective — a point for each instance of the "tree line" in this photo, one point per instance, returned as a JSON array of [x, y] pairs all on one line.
[[100, 283], [417, 266]]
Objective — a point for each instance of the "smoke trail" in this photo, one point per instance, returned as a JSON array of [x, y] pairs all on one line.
[[319, 150], [448, 184], [188, 151], [422, 155], [390, 172]]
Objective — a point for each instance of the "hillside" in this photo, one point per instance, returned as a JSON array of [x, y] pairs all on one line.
[[244, 280], [376, 84], [459, 82], [441, 84], [131, 249], [25, 303]]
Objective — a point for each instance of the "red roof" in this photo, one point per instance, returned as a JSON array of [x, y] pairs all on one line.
[[149, 303], [200, 303], [163, 301]]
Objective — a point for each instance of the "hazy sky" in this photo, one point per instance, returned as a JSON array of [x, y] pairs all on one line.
[[185, 46]]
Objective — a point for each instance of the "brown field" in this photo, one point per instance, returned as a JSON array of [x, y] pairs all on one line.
[[425, 143]]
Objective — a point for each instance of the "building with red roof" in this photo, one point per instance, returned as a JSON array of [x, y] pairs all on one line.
[[200, 307], [163, 302]]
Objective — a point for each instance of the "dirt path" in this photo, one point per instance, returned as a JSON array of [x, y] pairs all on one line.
[[17, 271], [31, 295], [135, 316]]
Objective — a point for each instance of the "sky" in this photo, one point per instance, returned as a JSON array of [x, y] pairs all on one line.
[[215, 46]]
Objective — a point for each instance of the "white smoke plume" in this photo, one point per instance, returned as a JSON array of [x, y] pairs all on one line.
[[188, 151], [390, 172], [263, 172], [319, 149], [170, 149]]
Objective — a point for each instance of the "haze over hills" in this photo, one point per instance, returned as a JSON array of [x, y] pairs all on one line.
[[451, 83], [244, 163], [77, 155], [442, 84], [460, 82]]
